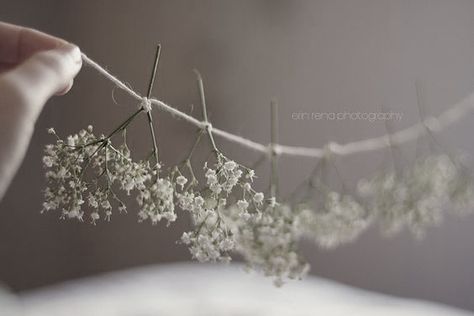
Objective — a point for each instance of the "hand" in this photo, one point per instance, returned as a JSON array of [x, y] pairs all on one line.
[[33, 67]]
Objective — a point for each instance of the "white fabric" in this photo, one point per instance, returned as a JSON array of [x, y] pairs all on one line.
[[206, 290]]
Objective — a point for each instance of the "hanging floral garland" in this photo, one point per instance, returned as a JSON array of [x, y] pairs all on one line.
[[88, 175]]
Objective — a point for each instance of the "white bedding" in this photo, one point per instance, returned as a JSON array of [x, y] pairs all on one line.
[[207, 290]]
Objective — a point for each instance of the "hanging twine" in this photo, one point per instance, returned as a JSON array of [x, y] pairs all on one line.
[[434, 124]]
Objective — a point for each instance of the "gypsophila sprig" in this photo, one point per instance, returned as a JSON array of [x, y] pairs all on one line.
[[86, 167], [212, 238], [268, 240], [417, 197], [338, 219], [67, 163]]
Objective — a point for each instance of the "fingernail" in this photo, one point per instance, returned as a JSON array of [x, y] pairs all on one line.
[[73, 51]]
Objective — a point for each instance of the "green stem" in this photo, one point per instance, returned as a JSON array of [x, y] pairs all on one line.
[[153, 137], [204, 112], [150, 88], [191, 152]]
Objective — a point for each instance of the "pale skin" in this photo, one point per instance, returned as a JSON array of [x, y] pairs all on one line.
[[34, 66]]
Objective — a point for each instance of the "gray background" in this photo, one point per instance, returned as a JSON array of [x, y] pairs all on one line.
[[311, 55]]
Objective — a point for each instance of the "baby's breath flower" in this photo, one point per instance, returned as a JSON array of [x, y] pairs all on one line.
[[258, 198], [122, 208], [230, 165], [250, 174], [93, 201], [48, 161], [65, 168], [416, 197], [268, 241], [338, 219], [94, 217], [242, 205], [156, 199], [212, 240], [181, 180]]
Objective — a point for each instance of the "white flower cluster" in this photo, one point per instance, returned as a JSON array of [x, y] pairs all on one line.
[[212, 239], [337, 219], [71, 163], [416, 198], [65, 162], [268, 240], [156, 200], [229, 216]]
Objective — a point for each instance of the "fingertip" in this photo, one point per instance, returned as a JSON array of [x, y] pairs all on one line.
[[72, 51], [45, 74], [66, 89]]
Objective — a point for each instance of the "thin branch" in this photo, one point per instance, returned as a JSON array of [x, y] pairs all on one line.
[[204, 110], [150, 88]]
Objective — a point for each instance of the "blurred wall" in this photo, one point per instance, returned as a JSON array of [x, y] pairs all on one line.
[[313, 56]]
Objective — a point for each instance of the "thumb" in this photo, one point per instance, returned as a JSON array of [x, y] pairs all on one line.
[[44, 74], [23, 92]]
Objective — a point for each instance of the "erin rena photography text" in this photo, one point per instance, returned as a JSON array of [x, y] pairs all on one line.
[[340, 116]]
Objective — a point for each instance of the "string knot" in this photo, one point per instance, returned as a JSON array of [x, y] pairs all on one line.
[[207, 126], [274, 149], [330, 149], [145, 104], [432, 124]]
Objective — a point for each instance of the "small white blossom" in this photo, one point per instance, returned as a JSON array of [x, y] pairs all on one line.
[[242, 205], [156, 200], [250, 175], [258, 198], [230, 165], [48, 161], [94, 217], [180, 180]]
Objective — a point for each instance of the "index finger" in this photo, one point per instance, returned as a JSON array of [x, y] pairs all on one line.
[[19, 43]]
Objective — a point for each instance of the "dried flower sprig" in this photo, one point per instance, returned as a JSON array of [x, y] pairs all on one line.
[[268, 240], [70, 163], [67, 163], [329, 218], [212, 239], [337, 220], [417, 197]]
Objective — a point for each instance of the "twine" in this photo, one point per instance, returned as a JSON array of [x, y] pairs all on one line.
[[434, 124]]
